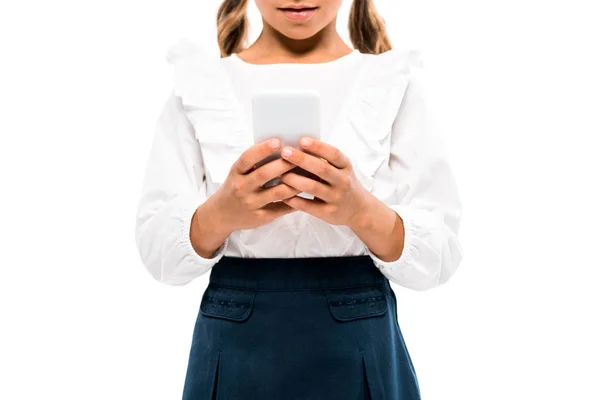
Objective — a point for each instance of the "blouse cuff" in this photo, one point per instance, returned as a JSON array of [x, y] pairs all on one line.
[[186, 242], [406, 259], [192, 264]]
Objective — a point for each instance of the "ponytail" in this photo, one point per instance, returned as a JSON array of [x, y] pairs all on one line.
[[232, 26], [367, 28]]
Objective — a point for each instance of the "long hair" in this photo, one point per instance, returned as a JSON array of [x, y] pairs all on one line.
[[232, 26], [366, 27]]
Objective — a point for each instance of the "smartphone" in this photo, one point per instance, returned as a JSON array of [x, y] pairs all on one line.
[[287, 115]]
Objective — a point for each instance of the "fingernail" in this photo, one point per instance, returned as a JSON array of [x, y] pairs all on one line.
[[286, 152], [274, 144], [305, 141]]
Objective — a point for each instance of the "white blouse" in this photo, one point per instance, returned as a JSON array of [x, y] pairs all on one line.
[[373, 110]]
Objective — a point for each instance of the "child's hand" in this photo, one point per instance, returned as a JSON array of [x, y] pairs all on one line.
[[241, 202], [341, 199]]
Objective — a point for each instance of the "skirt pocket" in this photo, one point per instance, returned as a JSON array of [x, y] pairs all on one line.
[[356, 303], [227, 303]]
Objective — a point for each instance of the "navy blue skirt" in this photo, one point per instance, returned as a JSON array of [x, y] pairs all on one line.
[[300, 328]]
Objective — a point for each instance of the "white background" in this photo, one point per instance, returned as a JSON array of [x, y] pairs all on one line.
[[517, 87]]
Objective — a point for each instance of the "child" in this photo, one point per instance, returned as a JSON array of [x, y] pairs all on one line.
[[299, 303]]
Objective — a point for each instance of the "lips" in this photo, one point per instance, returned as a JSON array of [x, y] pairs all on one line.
[[298, 12]]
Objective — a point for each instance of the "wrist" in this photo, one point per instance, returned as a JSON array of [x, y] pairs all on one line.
[[216, 220], [363, 218], [379, 227], [374, 216], [203, 242]]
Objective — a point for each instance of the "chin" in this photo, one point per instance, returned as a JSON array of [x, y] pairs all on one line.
[[299, 30], [297, 33]]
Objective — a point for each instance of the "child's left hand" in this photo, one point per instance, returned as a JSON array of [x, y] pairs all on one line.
[[341, 199]]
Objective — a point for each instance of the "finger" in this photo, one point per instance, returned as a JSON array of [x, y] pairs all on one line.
[[312, 164], [308, 206], [324, 150], [254, 154], [276, 193], [308, 185], [270, 170]]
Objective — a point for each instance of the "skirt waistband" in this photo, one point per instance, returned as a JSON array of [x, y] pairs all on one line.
[[296, 273]]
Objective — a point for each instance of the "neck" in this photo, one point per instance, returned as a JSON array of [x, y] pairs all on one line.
[[327, 43]]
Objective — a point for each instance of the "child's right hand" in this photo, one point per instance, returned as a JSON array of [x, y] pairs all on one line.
[[241, 202]]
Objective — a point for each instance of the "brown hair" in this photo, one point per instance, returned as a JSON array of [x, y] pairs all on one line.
[[232, 26], [366, 27]]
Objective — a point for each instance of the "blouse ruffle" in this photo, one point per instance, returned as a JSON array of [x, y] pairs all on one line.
[[211, 106], [364, 130]]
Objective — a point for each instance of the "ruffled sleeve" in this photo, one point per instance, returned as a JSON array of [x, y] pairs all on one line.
[[174, 186], [425, 194], [209, 102], [198, 76]]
